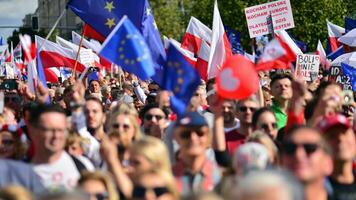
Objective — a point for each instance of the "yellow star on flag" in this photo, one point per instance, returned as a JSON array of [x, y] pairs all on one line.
[[110, 22], [109, 6], [148, 11]]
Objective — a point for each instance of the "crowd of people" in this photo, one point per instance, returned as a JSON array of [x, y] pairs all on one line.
[[108, 139]]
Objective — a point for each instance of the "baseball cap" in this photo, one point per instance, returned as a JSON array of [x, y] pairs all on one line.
[[192, 119], [333, 120]]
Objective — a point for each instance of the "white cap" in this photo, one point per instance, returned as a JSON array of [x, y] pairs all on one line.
[[251, 155], [349, 38]]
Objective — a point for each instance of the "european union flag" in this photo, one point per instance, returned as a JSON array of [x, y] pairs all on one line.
[[235, 41], [103, 16], [349, 71], [126, 47], [349, 24], [181, 79]]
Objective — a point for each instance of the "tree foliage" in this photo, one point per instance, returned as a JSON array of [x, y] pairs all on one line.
[[309, 16]]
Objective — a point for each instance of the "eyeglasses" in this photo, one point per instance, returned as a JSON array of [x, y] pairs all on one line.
[[290, 148], [140, 191], [149, 117], [12, 99], [118, 125], [266, 126], [7, 142], [186, 134], [244, 109]]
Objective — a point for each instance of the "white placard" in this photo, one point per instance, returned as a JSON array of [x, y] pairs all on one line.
[[307, 66], [86, 57], [258, 17]]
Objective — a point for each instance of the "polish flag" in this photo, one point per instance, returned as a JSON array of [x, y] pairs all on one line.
[[220, 46], [52, 74], [188, 56], [276, 55], [321, 52], [196, 33], [286, 39], [28, 47], [94, 45], [203, 61], [53, 55], [92, 33], [334, 32]]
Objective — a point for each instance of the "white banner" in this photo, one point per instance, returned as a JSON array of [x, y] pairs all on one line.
[[307, 66], [259, 17]]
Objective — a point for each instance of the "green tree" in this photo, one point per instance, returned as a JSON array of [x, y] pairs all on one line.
[[309, 16]]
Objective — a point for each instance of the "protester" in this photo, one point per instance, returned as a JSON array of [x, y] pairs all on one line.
[[265, 120], [11, 146], [154, 120]]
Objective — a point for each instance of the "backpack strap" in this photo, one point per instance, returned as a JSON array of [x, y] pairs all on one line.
[[79, 164]]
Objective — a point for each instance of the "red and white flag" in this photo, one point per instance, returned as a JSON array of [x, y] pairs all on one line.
[[28, 47], [220, 46], [285, 38], [188, 56], [276, 55], [53, 55], [321, 52], [334, 32], [95, 46], [203, 60], [196, 33]]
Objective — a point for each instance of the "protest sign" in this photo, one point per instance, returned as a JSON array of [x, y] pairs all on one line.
[[307, 66], [336, 75], [86, 57], [257, 17]]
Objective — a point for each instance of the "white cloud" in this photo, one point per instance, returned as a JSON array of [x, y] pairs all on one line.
[[12, 12]]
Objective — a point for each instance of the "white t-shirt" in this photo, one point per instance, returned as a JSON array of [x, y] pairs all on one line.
[[61, 174]]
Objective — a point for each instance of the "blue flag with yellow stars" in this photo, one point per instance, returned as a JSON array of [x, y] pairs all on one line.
[[350, 72], [181, 79], [126, 47], [103, 16]]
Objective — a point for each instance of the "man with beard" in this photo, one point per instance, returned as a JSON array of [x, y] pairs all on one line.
[[245, 109], [281, 89]]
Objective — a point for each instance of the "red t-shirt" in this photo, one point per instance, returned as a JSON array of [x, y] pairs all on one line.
[[233, 140]]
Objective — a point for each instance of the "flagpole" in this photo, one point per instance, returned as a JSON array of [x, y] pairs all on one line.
[[78, 52], [52, 29]]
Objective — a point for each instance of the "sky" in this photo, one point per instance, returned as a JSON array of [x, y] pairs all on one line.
[[12, 12]]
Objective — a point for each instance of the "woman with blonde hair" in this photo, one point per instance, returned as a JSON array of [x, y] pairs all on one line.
[[98, 185], [123, 129], [155, 184], [149, 153], [264, 139]]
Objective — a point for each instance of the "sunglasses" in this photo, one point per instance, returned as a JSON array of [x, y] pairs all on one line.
[[118, 125], [140, 191], [244, 109], [12, 99], [290, 148], [149, 117], [7, 142], [100, 196], [186, 134], [266, 126]]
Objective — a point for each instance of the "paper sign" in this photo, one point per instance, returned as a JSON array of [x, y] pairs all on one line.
[[307, 66], [336, 75], [86, 57], [259, 17]]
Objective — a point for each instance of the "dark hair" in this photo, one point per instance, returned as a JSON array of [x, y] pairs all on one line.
[[148, 107], [40, 109], [97, 101], [292, 130], [278, 76], [258, 113]]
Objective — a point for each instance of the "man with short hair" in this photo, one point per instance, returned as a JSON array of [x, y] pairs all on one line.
[[56, 168], [244, 111], [281, 89], [194, 171], [306, 154], [95, 117], [341, 137], [154, 120]]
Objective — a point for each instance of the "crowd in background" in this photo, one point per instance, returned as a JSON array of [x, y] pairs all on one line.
[[117, 138]]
